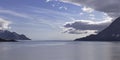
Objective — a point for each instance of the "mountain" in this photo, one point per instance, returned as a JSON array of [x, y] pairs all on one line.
[[5, 34], [111, 33], [3, 40]]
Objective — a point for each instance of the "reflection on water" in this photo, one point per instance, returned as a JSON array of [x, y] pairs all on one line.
[[60, 51], [115, 51]]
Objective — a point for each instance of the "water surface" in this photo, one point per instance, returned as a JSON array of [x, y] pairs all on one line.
[[59, 50]]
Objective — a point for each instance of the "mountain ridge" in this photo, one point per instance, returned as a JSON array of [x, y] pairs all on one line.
[[8, 35]]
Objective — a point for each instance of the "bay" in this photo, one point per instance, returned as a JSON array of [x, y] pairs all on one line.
[[59, 50]]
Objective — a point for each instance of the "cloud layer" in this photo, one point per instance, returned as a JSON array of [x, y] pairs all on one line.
[[4, 24], [111, 7], [85, 26]]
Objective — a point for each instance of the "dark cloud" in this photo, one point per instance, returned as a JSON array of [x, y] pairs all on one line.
[[85, 26], [111, 7]]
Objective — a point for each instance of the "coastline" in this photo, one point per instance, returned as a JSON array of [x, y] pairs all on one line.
[[3, 40]]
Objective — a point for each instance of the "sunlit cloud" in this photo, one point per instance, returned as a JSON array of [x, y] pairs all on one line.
[[4, 24], [48, 0], [87, 9]]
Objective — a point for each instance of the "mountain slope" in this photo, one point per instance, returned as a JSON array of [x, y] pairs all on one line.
[[5, 34], [111, 33]]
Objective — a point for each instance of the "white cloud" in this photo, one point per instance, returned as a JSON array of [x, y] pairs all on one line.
[[62, 7], [87, 9], [70, 1], [48, 0], [111, 7], [14, 13], [81, 13], [4, 24], [92, 16]]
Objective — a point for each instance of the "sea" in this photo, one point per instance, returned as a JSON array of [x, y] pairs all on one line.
[[59, 50]]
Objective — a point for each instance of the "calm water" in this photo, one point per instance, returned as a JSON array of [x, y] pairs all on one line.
[[59, 50]]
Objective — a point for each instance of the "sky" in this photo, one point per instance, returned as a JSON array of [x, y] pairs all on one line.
[[57, 19]]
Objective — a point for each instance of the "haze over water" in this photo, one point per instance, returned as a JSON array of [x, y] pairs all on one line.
[[59, 50]]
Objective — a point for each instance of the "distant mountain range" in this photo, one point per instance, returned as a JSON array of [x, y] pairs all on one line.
[[7, 35], [111, 33]]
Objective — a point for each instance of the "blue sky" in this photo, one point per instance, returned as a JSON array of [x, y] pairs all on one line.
[[44, 19]]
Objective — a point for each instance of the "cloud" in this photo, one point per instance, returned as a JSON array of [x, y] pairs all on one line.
[[62, 7], [81, 13], [111, 7], [87, 9], [14, 13], [4, 24], [48, 0], [86, 26], [73, 31]]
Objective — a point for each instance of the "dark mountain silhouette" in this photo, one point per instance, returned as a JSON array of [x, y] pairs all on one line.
[[3, 40], [111, 33], [7, 35]]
